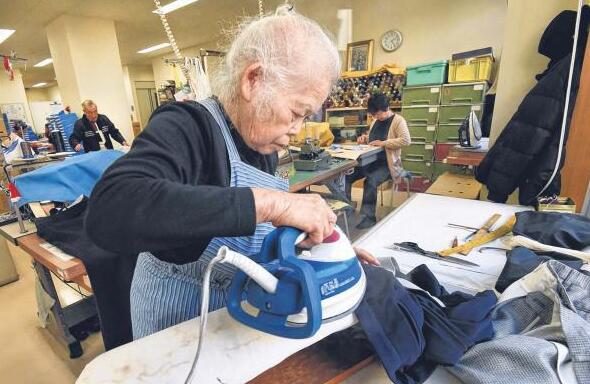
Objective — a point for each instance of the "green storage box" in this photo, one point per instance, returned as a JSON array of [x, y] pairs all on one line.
[[447, 133], [455, 114], [471, 93], [427, 115], [422, 133], [427, 73], [418, 151], [418, 167], [421, 95]]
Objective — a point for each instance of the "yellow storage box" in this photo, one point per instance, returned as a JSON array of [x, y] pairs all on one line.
[[471, 69]]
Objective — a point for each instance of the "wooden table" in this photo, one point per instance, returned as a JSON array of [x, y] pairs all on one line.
[[48, 260], [469, 157]]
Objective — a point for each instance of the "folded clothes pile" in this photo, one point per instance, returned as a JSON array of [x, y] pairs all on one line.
[[537, 332]]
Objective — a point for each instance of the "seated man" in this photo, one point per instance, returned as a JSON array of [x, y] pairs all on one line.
[[390, 131], [93, 130]]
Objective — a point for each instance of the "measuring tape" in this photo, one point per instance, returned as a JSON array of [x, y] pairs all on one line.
[[505, 229]]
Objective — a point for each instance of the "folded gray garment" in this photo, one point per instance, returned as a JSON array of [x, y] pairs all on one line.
[[516, 359], [542, 332]]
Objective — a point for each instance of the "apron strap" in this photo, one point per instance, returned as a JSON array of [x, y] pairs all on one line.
[[213, 108]]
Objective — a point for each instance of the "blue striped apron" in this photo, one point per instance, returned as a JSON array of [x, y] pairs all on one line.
[[164, 294]]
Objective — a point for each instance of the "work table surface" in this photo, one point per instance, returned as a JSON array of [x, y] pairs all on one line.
[[234, 353]]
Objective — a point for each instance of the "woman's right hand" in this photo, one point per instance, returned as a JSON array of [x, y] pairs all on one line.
[[306, 212], [362, 139]]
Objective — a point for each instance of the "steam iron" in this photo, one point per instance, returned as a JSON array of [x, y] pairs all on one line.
[[310, 286], [470, 132]]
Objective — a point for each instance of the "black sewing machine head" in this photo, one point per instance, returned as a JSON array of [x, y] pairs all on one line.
[[312, 157]]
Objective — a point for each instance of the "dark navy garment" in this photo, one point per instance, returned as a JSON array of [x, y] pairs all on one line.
[[565, 230], [411, 332], [522, 261]]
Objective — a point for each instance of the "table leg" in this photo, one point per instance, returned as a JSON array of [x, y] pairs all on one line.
[[69, 316]]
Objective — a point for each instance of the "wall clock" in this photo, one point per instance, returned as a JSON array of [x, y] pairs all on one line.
[[391, 40]]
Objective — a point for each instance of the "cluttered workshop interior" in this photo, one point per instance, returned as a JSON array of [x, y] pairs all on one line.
[[301, 191]]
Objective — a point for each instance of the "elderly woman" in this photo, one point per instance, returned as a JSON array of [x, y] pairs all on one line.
[[201, 175]]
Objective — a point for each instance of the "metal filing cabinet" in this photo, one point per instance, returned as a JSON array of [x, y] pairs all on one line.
[[420, 115], [418, 151], [429, 95], [447, 133], [418, 168], [455, 114], [422, 133], [470, 93]]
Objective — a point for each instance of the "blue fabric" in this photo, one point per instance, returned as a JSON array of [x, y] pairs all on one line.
[[521, 261], [164, 294], [65, 181], [411, 332]]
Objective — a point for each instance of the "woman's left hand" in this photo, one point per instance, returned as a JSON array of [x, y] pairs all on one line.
[[365, 257], [377, 143]]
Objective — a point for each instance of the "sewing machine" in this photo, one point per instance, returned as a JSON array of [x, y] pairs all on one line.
[[312, 157]]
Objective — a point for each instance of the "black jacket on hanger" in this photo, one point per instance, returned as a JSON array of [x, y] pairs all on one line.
[[525, 153]]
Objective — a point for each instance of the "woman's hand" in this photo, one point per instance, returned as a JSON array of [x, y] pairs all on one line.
[[306, 212], [362, 139], [377, 143], [365, 257]]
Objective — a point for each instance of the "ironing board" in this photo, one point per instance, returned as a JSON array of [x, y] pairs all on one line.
[[234, 353]]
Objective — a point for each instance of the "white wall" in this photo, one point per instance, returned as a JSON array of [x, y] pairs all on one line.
[[54, 94], [14, 92], [432, 29], [90, 70], [37, 94], [133, 73], [525, 22]]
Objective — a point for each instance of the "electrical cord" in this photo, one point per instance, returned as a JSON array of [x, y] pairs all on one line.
[[264, 278]]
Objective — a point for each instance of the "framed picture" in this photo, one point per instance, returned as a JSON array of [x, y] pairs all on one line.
[[359, 56]]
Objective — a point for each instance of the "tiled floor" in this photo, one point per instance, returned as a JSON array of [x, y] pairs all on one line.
[[30, 354]]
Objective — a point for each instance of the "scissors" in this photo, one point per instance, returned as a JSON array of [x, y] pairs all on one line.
[[409, 246]]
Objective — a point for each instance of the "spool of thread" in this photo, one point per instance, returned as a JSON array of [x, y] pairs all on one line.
[[27, 150], [58, 141]]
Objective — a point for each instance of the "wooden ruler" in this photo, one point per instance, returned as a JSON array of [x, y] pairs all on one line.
[[505, 229], [484, 230]]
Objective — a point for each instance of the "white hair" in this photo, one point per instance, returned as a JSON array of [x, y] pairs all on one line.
[[291, 49]]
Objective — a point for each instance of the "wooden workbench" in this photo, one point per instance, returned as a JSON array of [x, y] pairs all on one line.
[[68, 268]]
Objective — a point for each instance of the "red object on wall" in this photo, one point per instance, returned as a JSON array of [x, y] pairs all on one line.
[[8, 67]]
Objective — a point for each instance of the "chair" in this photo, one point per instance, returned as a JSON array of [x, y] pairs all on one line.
[[406, 175], [340, 208]]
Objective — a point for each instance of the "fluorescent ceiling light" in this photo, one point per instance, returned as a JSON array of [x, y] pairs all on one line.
[[43, 63], [38, 85], [154, 48], [173, 6], [5, 34]]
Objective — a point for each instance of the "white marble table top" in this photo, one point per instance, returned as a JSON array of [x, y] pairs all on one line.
[[232, 353]]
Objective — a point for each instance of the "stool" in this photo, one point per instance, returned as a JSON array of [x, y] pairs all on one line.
[[406, 175], [340, 207]]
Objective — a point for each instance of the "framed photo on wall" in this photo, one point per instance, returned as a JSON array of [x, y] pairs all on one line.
[[359, 56]]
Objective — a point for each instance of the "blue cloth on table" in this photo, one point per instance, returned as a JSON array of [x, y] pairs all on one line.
[[411, 333], [67, 180], [566, 230], [521, 261]]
